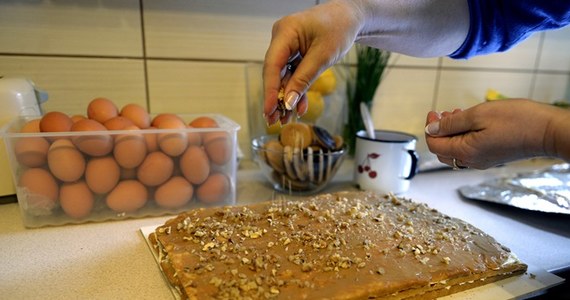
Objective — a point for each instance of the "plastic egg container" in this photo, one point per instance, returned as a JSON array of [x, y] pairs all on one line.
[[97, 174]]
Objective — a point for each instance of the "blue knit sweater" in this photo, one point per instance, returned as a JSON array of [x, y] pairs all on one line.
[[497, 25]]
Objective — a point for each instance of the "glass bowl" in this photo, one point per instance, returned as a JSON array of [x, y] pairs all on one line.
[[294, 170]]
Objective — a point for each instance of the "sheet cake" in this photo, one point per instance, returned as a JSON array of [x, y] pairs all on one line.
[[346, 245]]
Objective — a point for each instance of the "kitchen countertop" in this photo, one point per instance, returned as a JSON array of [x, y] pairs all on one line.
[[111, 259]]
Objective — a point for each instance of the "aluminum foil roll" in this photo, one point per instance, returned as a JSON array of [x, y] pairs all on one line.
[[546, 190]]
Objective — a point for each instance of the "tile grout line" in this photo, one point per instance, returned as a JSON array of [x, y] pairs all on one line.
[[144, 58], [536, 66], [240, 61]]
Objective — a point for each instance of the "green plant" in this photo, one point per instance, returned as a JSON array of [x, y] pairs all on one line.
[[361, 86]]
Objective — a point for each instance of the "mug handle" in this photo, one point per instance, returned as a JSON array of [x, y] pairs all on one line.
[[414, 168]]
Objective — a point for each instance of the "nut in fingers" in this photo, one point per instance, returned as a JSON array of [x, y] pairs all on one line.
[[281, 106]]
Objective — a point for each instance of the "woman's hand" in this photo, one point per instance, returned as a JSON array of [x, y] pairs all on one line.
[[497, 132], [322, 35]]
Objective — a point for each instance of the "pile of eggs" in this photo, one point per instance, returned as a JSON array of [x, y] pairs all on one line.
[[121, 160]]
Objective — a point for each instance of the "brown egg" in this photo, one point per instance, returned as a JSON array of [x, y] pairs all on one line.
[[215, 189], [172, 143], [151, 140], [102, 174], [174, 193], [31, 152], [130, 148], [162, 117], [31, 126], [101, 110], [76, 118], [218, 146], [37, 192], [55, 121], [128, 196], [194, 137], [92, 144], [76, 199], [204, 122], [195, 165], [156, 169], [65, 162], [118, 123], [137, 114]]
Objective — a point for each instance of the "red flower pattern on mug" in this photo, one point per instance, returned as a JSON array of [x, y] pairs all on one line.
[[364, 166]]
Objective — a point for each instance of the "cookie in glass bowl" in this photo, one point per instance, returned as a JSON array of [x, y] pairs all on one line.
[[302, 159]]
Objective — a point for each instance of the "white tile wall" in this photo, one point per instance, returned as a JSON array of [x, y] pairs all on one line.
[[224, 29], [191, 56], [99, 28], [555, 50], [551, 87], [73, 82], [462, 89]]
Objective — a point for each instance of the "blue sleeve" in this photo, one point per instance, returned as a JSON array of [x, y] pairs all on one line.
[[497, 25]]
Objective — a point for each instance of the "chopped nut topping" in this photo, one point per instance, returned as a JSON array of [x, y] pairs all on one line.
[[216, 281], [307, 267], [261, 252], [398, 235], [274, 290], [208, 246]]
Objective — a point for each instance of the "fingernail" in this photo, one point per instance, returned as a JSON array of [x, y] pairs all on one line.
[[432, 128], [291, 100]]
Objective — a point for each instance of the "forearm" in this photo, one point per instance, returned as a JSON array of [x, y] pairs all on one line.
[[425, 28], [557, 141]]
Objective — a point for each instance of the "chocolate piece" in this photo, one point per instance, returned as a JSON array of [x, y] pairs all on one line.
[[324, 138]]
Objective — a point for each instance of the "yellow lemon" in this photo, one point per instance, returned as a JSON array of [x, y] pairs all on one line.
[[274, 129], [325, 83], [492, 95], [316, 103]]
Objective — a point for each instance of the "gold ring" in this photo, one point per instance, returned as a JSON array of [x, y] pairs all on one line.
[[456, 166]]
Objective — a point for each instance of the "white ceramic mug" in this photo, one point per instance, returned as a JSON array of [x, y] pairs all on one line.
[[387, 163]]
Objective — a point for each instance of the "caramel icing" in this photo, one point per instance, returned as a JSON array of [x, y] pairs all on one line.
[[347, 245]]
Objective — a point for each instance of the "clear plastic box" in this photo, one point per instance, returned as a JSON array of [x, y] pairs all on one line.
[[94, 176]]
